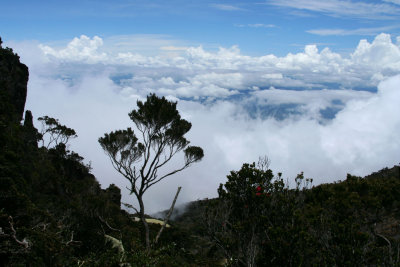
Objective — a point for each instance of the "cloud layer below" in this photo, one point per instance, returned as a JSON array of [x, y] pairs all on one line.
[[317, 111], [311, 69]]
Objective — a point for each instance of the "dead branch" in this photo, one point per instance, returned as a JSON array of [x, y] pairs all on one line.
[[24, 242], [389, 245], [72, 241], [129, 206], [109, 227], [42, 225], [168, 215], [106, 223]]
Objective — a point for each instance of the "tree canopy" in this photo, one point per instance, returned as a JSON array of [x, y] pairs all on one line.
[[56, 132]]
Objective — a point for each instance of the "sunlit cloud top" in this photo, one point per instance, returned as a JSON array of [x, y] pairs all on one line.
[[227, 72]]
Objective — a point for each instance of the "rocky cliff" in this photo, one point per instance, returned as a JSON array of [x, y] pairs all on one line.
[[13, 84]]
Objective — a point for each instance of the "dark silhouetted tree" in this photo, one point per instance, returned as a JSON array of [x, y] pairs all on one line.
[[140, 157], [56, 132], [236, 221]]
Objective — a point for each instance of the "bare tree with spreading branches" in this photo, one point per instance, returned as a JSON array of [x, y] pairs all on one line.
[[140, 157]]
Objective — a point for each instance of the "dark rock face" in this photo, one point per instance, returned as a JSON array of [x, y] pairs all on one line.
[[13, 82], [114, 194], [31, 134]]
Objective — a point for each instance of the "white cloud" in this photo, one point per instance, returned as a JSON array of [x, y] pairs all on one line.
[[226, 7], [144, 44], [345, 32], [363, 137], [365, 129], [94, 94], [81, 49], [379, 59], [174, 48], [397, 2], [273, 76], [256, 25], [260, 25], [340, 8], [309, 69], [311, 101]]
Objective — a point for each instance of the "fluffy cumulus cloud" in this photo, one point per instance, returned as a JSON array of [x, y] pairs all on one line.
[[380, 51], [81, 49], [316, 111], [369, 64]]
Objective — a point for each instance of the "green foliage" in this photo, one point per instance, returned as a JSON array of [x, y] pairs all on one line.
[[351, 223], [158, 115], [241, 218], [193, 154], [122, 148], [50, 199]]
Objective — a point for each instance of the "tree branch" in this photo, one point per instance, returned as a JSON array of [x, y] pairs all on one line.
[[72, 241], [24, 242], [168, 174], [131, 207]]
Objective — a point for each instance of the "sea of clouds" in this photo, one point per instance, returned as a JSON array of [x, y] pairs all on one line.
[[320, 112]]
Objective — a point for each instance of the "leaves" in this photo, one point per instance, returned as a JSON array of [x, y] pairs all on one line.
[[123, 142], [154, 114], [193, 154]]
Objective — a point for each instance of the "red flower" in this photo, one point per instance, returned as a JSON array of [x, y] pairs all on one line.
[[258, 190]]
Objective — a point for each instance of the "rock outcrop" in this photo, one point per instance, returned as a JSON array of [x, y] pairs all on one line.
[[13, 84]]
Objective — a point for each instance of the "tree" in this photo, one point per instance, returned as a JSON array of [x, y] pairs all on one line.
[[236, 220], [141, 158], [57, 133], [257, 220]]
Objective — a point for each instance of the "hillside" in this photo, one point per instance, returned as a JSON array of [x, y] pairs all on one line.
[[355, 222]]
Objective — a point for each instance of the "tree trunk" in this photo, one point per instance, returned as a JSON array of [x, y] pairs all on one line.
[[145, 224]]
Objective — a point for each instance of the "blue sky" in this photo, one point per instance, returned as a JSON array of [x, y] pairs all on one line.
[[259, 27], [313, 85]]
